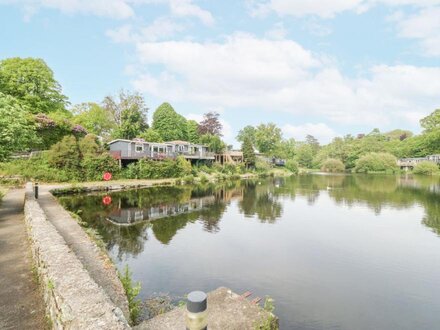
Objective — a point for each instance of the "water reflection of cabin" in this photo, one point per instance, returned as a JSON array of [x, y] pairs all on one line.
[[128, 216], [127, 151]]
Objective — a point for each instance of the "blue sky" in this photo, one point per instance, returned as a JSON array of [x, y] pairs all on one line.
[[325, 68]]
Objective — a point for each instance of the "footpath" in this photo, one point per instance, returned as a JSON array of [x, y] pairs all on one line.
[[21, 303]]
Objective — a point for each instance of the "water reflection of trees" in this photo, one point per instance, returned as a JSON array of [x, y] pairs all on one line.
[[260, 199]]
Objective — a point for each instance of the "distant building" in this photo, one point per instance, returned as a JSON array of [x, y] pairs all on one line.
[[127, 151], [410, 163]]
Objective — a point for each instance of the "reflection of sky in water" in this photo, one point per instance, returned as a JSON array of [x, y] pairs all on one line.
[[334, 252]]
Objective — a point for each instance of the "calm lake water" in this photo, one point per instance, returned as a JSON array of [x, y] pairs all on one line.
[[335, 252]]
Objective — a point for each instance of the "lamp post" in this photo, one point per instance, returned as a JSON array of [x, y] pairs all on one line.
[[196, 311]]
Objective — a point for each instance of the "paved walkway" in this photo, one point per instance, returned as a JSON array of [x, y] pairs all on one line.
[[21, 305]]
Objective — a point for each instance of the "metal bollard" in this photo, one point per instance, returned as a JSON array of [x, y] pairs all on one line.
[[196, 311], [36, 190]]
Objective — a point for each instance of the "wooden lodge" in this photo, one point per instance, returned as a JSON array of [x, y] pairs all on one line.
[[410, 163], [127, 151]]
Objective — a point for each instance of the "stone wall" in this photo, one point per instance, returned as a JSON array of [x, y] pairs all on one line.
[[73, 300]]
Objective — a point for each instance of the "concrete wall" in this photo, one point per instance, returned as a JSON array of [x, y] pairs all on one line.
[[73, 300]]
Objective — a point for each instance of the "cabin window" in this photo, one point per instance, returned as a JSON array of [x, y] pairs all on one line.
[[139, 148]]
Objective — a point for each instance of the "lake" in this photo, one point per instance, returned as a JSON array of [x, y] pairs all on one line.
[[334, 251]]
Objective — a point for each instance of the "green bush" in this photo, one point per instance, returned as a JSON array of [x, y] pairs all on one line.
[[333, 165], [376, 162], [188, 179], [292, 166], [426, 168], [262, 165], [95, 166], [203, 178], [131, 290]]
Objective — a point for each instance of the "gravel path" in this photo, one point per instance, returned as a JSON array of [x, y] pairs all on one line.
[[21, 304]]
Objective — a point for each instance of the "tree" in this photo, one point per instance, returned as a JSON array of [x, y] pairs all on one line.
[[17, 131], [192, 131], [214, 143], [431, 122], [169, 124], [247, 132], [210, 124], [248, 152], [31, 82], [51, 128], [376, 162], [285, 149], [129, 112], [151, 135], [312, 142], [304, 155], [95, 119], [66, 154], [266, 137], [333, 165]]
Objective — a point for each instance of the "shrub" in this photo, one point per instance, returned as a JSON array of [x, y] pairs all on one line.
[[292, 166], [262, 165], [426, 168], [333, 165], [376, 162], [189, 179], [203, 178], [131, 290], [95, 166]]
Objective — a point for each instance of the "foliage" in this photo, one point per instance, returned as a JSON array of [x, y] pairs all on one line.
[[270, 323], [333, 165], [304, 155], [431, 122], [192, 129], [51, 128], [210, 124], [267, 136], [95, 119], [66, 155], [32, 82], [169, 124], [37, 168], [247, 132], [151, 135], [94, 166], [148, 169], [131, 290], [285, 149], [426, 168], [376, 162], [292, 166], [261, 165], [214, 143], [17, 132], [248, 152]]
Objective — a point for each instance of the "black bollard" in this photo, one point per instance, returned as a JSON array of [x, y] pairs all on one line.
[[196, 311], [36, 190]]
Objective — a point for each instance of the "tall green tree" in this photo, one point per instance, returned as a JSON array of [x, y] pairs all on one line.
[[193, 131], [247, 132], [431, 122], [267, 136], [129, 112], [95, 119], [214, 143], [32, 82], [169, 124], [248, 152], [151, 135], [17, 130]]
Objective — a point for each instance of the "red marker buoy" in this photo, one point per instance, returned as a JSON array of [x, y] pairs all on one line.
[[107, 176], [106, 200]]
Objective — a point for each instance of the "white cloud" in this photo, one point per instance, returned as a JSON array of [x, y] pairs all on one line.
[[280, 75], [187, 8], [160, 29], [320, 131], [327, 8], [118, 9], [423, 26]]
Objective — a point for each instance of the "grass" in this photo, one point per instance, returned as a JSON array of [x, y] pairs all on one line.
[[131, 290], [270, 323]]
